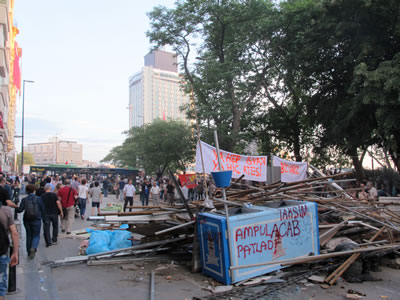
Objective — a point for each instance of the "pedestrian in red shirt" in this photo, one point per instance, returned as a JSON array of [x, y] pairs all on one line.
[[67, 196]]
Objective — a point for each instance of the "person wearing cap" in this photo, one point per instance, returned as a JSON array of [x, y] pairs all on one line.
[[53, 208]]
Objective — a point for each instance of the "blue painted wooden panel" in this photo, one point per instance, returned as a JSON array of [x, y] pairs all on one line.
[[264, 235], [213, 246]]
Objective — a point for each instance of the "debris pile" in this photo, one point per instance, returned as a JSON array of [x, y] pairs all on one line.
[[354, 234]]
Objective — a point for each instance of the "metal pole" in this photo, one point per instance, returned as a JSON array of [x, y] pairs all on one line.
[[22, 129], [152, 289], [199, 141], [23, 124], [225, 205]]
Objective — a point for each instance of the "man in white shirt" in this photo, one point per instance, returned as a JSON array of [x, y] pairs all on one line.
[[155, 194], [129, 194], [372, 192], [185, 191]]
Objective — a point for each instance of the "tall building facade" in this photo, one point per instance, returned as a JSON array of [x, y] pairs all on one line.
[[155, 92], [10, 83], [56, 151]]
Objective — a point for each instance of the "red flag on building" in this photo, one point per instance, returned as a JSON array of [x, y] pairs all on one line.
[[17, 69]]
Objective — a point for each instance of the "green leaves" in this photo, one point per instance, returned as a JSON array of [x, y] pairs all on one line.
[[311, 77], [155, 147]]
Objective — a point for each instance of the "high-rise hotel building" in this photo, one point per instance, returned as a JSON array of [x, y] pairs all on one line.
[[155, 92]]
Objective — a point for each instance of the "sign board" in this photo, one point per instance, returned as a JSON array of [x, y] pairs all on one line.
[[188, 179], [291, 171], [252, 167]]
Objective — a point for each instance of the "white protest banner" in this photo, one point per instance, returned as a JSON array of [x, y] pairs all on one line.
[[253, 167], [291, 171]]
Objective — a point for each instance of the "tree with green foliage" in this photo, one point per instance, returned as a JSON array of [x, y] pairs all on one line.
[[155, 147], [346, 43], [228, 72], [28, 159], [300, 75]]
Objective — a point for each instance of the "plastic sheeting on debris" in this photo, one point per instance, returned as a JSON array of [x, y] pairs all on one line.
[[105, 240]]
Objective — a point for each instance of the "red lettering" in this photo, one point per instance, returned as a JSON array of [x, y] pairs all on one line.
[[248, 231], [238, 234], [289, 229], [247, 251], [275, 230], [296, 229], [263, 246], [240, 249], [280, 230], [270, 244], [256, 229]]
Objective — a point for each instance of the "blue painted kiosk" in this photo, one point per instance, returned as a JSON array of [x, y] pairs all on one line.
[[281, 230]]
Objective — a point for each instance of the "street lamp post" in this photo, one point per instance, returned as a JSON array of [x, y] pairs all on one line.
[[23, 120]]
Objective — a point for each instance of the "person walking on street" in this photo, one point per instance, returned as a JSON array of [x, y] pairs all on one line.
[[17, 188], [121, 185], [129, 194], [105, 187], [67, 197], [185, 191], [170, 193], [53, 208], [200, 190], [145, 193], [83, 196], [7, 184], [155, 194], [7, 226], [5, 197], [75, 184], [40, 191], [33, 216], [96, 196]]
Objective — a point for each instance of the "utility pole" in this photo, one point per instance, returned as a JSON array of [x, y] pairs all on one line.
[[23, 123]]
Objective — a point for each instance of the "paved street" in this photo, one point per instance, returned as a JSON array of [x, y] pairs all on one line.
[[37, 281]]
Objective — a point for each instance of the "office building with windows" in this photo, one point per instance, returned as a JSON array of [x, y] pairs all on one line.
[[155, 92], [56, 151]]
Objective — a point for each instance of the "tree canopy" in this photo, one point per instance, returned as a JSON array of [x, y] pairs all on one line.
[[317, 78], [28, 159], [155, 147]]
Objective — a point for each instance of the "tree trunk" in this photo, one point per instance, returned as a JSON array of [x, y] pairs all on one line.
[[296, 147], [235, 126], [360, 175]]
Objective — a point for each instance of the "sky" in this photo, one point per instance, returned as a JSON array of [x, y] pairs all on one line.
[[80, 54]]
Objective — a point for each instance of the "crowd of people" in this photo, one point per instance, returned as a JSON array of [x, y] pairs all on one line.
[[162, 189]]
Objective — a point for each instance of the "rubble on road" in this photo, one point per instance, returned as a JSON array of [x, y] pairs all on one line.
[[354, 235]]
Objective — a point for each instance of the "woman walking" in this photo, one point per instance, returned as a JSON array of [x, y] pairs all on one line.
[[83, 196], [33, 216]]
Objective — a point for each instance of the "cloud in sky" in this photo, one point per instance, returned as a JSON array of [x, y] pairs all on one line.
[[80, 55]]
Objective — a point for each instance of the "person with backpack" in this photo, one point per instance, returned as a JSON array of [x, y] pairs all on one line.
[[53, 208], [7, 226], [34, 211]]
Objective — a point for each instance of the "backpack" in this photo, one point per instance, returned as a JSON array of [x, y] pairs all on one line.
[[4, 241], [31, 209]]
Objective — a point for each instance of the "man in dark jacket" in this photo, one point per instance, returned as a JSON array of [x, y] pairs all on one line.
[[33, 216], [53, 208], [145, 192]]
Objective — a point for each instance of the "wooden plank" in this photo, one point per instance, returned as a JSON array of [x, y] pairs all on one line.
[[306, 259], [331, 279], [184, 200], [328, 235], [131, 213], [132, 219]]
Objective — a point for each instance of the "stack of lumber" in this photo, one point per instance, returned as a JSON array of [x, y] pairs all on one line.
[[371, 227]]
